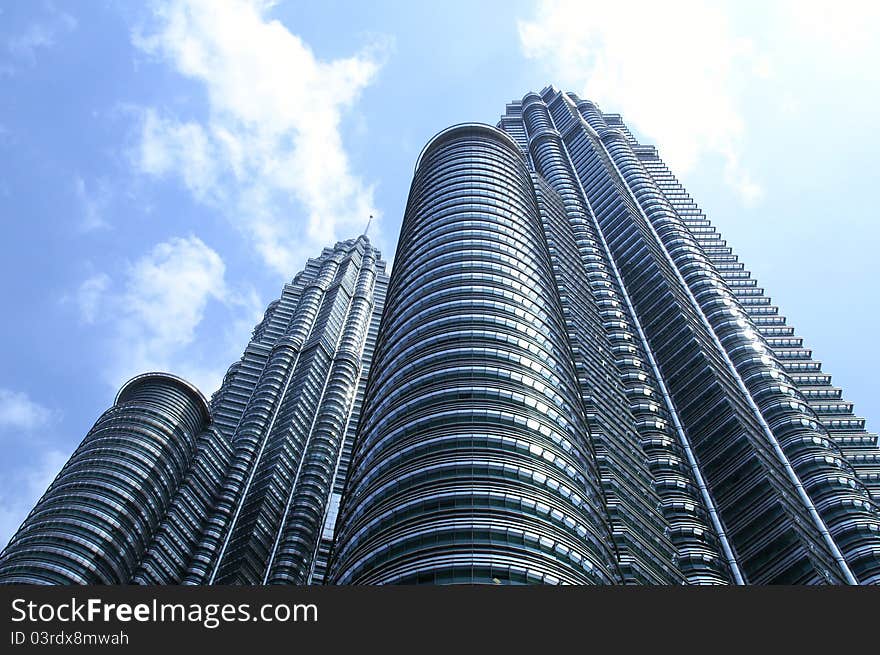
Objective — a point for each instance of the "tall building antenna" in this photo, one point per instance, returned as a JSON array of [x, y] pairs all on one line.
[[369, 222]]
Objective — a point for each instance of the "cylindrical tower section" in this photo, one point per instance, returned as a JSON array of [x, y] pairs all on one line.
[[95, 521], [292, 560], [839, 503], [473, 460], [252, 434], [699, 555]]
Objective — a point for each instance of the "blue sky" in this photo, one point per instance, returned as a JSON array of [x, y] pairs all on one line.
[[165, 167]]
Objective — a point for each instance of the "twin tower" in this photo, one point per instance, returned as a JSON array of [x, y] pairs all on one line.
[[569, 378]]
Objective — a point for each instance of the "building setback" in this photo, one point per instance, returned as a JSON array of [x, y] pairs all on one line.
[[573, 380], [97, 520], [167, 488], [720, 451]]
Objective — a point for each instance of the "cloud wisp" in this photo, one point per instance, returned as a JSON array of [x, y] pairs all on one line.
[[23, 487], [154, 314], [270, 153], [675, 71], [19, 412], [22, 48], [94, 200], [26, 427]]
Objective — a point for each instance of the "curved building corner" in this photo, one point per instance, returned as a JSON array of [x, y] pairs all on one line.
[[97, 517]]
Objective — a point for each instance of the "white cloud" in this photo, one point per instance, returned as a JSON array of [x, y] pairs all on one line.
[[846, 30], [270, 149], [19, 412], [154, 317], [35, 36], [90, 295], [167, 290], [168, 146], [676, 71], [25, 425], [93, 201], [23, 47], [22, 488]]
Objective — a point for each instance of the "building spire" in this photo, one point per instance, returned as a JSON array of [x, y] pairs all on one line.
[[369, 222]]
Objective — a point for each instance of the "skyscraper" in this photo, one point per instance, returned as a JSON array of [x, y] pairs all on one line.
[[168, 488], [573, 380], [577, 381]]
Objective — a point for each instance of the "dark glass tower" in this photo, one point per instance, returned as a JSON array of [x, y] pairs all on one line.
[[577, 381], [97, 520], [167, 488], [574, 381], [473, 462]]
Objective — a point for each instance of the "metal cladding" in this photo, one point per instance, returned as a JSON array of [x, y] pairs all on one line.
[[296, 397], [757, 461], [569, 378], [96, 520], [718, 450], [631, 415], [166, 489], [473, 462]]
